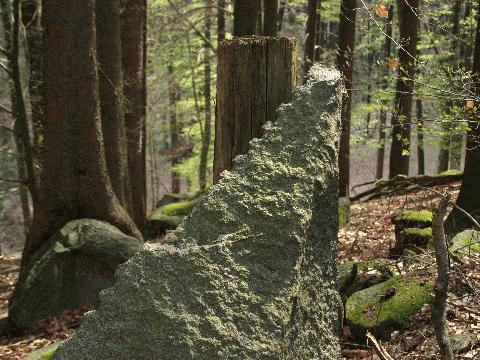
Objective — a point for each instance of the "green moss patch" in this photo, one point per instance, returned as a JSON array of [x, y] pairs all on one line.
[[181, 208], [412, 219], [451, 172], [466, 242], [417, 237], [386, 307]]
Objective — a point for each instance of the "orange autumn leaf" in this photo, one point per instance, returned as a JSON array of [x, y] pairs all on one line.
[[470, 104], [381, 11], [393, 63]]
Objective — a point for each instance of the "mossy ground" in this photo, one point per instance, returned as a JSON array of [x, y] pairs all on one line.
[[372, 310], [344, 212]]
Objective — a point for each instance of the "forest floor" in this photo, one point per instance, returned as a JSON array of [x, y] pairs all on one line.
[[368, 237]]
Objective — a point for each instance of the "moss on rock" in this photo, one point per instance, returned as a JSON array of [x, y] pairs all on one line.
[[412, 219], [69, 271], [466, 242], [346, 274], [416, 237], [386, 307], [369, 273]]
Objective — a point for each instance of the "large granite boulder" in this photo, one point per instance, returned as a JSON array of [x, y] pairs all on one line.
[[251, 272], [69, 271]]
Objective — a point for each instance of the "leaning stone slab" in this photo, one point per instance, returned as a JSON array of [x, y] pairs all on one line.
[[251, 272]]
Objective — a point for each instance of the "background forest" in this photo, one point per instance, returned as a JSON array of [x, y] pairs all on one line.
[[108, 111]]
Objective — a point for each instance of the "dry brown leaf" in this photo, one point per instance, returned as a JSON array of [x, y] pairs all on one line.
[[381, 11], [393, 63]]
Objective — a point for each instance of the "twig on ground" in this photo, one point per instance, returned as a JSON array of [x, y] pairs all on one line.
[[379, 349]]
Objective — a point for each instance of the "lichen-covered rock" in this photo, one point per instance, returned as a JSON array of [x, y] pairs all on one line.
[[386, 307], [461, 343], [69, 271], [251, 272], [466, 242]]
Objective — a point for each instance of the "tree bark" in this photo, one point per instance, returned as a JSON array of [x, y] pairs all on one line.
[[281, 14], [207, 95], [109, 50], [346, 43], [221, 20], [31, 10], [75, 183], [25, 159], [318, 31], [420, 143], [310, 37], [249, 92], [401, 119], [441, 284], [133, 21], [383, 110], [245, 17], [173, 95], [270, 17], [469, 197]]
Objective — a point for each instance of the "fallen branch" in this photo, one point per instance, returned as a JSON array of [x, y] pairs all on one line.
[[441, 284], [379, 349], [404, 184]]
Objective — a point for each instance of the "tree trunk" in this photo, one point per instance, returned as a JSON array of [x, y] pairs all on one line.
[[207, 96], [420, 144], [281, 14], [25, 159], [75, 183], [173, 95], [346, 43], [133, 22], [245, 17], [310, 37], [469, 196], [109, 50], [270, 17], [31, 10], [249, 92], [401, 119], [221, 20], [382, 136], [318, 31]]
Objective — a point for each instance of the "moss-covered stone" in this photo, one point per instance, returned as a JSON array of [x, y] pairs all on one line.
[[369, 273], [344, 211], [466, 242], [182, 208], [412, 219], [69, 271], [346, 274], [450, 172], [251, 273], [45, 353], [386, 307], [416, 237]]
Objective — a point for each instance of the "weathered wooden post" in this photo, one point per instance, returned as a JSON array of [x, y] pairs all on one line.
[[254, 76]]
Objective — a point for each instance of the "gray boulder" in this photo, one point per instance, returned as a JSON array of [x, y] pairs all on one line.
[[69, 271], [251, 272]]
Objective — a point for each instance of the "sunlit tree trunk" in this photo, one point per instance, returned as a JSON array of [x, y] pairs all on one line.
[[310, 31], [221, 20], [346, 43], [173, 95], [207, 100], [401, 118]]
